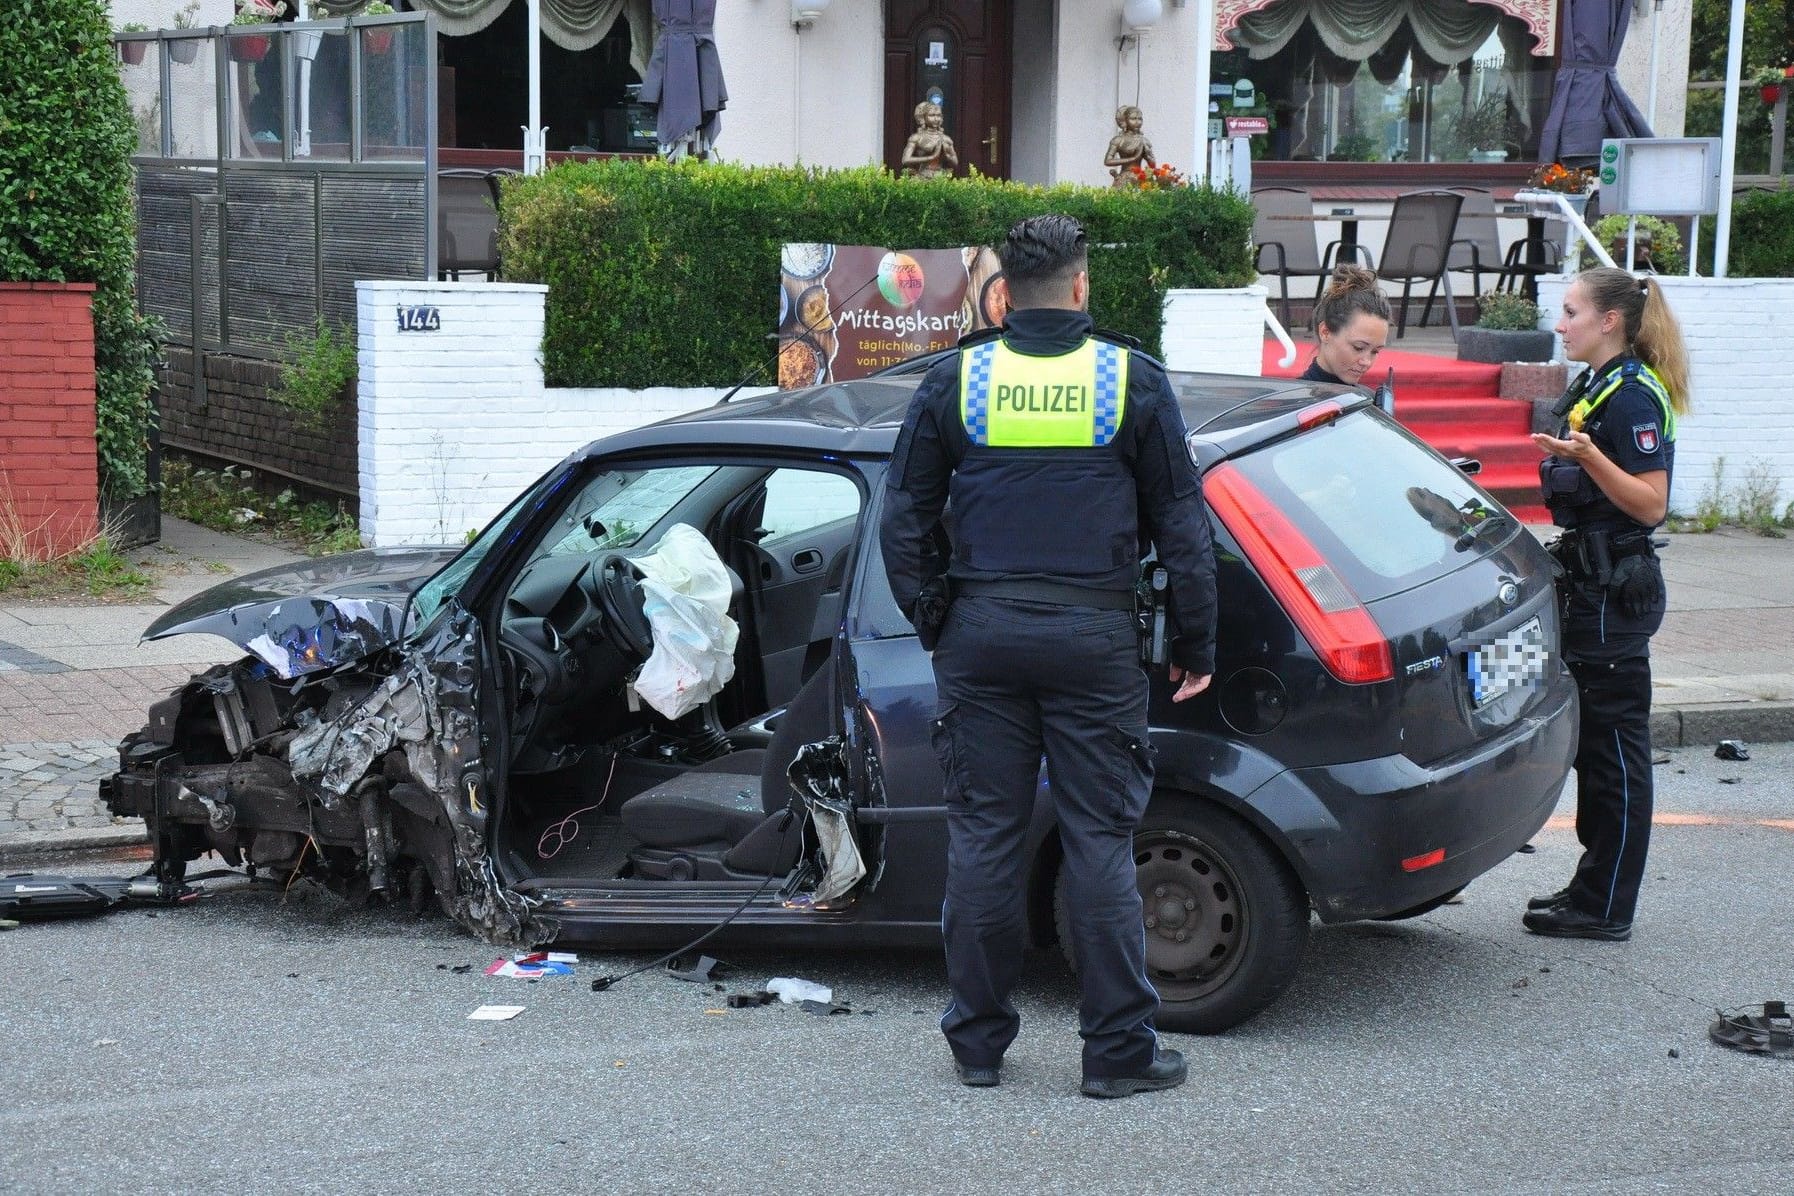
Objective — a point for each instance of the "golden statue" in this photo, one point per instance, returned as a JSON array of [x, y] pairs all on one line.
[[1128, 148], [929, 151]]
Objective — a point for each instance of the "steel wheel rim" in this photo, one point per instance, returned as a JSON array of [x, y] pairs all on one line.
[[1187, 888]]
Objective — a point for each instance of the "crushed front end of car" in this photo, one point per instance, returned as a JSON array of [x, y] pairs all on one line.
[[362, 771]]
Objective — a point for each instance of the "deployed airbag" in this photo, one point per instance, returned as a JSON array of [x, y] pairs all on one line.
[[686, 592]]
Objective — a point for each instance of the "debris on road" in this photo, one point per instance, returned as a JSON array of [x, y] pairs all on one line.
[[32, 897], [751, 1000], [1768, 1031], [794, 991], [495, 1013], [704, 970], [1732, 749], [532, 966]]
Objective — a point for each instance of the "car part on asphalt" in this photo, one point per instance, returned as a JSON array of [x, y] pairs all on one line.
[[1768, 1031], [1732, 749]]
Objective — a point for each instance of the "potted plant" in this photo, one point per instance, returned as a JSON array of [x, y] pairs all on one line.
[[254, 47], [1574, 183], [184, 49], [132, 52], [1483, 129], [379, 41], [1657, 246], [1506, 329], [307, 42], [1770, 80]]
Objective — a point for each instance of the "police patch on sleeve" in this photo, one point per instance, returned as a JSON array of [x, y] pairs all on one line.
[[1644, 437]]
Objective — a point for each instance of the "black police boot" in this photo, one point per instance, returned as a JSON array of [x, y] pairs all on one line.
[[1167, 1070], [1568, 922], [977, 1077], [1550, 900]]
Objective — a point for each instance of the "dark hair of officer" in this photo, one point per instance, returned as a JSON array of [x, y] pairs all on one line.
[[1651, 328], [1040, 257], [1351, 291]]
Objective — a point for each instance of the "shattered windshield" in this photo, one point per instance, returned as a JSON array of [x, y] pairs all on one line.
[[448, 581]]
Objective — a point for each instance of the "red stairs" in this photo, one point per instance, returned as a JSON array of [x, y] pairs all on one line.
[[1456, 407]]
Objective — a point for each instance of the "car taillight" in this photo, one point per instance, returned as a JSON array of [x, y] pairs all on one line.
[[1323, 607]]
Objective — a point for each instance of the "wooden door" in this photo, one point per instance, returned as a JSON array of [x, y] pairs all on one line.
[[957, 52]]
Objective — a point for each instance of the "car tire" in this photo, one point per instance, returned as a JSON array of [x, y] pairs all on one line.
[[1242, 911]]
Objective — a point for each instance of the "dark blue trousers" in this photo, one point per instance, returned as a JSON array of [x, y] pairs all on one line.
[[1016, 680], [1613, 785]]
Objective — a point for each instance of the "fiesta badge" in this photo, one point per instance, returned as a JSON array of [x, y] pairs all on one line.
[[1645, 437]]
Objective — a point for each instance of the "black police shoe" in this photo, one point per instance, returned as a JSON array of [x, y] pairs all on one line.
[[1568, 922], [1167, 1070], [1550, 900], [977, 1077]]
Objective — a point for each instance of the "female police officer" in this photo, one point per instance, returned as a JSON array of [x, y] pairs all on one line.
[[1606, 481], [1351, 324]]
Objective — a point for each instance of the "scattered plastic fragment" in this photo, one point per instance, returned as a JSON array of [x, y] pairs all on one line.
[[1728, 780], [495, 1013], [1769, 1031], [701, 971], [528, 967], [8, 924], [1732, 749], [99, 1042], [824, 1008], [751, 1000], [1674, 1053], [794, 991]]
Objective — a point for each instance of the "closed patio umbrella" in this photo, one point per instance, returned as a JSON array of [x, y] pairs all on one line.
[[685, 77], [1588, 103]]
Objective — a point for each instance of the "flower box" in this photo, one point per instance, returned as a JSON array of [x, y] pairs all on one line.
[[132, 52], [249, 48]]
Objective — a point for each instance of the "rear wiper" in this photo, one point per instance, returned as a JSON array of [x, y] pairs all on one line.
[[1485, 519]]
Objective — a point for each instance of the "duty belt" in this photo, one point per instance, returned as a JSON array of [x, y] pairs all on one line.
[[1589, 555], [1051, 592]]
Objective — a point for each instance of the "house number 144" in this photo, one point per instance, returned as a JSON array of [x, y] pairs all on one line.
[[420, 319]]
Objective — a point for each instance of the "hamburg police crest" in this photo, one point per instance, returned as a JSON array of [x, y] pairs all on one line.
[[1645, 437]]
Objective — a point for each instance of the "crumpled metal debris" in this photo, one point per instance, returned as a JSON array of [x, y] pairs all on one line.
[[819, 775], [1769, 1031], [1731, 749], [324, 633]]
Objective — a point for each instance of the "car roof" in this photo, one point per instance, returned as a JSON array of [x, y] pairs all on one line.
[[863, 417]]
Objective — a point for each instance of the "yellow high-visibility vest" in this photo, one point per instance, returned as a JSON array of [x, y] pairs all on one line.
[[1012, 400], [1639, 371]]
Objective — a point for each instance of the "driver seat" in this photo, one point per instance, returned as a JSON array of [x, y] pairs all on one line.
[[721, 819]]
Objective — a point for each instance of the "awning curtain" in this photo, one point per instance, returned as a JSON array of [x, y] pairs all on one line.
[[1444, 32], [1587, 103], [571, 24]]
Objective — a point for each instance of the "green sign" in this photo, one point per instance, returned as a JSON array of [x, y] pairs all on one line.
[[1610, 153], [1609, 176]]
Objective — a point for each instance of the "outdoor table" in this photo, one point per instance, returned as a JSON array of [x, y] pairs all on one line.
[[1348, 226]]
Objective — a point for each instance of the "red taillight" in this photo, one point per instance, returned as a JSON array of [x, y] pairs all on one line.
[[1329, 615], [1415, 863], [1322, 412]]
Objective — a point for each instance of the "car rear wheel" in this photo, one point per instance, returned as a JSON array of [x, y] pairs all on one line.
[[1225, 919]]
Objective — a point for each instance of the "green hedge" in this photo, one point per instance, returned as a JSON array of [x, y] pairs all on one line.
[[66, 138], [1762, 235], [664, 275]]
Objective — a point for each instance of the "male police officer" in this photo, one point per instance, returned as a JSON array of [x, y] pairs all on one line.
[[1061, 453]]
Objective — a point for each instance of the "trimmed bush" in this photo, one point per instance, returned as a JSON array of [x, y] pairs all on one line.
[[66, 139], [668, 275], [1762, 235]]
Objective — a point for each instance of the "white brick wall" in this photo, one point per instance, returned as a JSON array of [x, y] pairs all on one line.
[[1738, 332], [1221, 331], [455, 423]]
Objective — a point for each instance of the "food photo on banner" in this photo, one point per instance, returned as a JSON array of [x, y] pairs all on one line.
[[848, 311]]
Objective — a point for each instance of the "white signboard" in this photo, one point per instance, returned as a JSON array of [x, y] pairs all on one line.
[[1660, 176]]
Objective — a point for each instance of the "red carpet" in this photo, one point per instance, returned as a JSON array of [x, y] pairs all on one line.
[[1455, 407]]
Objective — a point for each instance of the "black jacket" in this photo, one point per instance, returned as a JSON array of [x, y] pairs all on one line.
[[1164, 507]]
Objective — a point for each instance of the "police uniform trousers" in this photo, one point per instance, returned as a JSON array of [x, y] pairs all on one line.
[[1614, 791], [1016, 679]]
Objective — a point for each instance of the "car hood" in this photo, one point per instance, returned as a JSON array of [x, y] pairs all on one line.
[[314, 615]]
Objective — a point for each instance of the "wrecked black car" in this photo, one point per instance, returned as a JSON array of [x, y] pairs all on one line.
[[1389, 717]]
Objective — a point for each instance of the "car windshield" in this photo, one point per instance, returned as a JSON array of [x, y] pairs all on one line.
[[1387, 512], [448, 581]]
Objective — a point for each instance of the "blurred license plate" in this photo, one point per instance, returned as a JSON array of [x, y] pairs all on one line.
[[1514, 661]]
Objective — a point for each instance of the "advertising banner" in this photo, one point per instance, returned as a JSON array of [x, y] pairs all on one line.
[[847, 311]]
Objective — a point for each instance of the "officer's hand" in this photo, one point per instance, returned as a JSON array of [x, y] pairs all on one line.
[[1636, 584], [1578, 447], [1190, 684]]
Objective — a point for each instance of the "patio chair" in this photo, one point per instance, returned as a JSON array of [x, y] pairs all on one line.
[[466, 223], [1422, 227], [1476, 250], [1289, 244]]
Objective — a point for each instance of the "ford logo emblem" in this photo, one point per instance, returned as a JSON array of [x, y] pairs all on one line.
[[1508, 594]]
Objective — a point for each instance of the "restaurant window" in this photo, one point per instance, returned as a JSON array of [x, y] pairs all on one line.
[[1385, 81]]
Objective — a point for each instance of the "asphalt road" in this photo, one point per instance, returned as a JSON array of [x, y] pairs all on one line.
[[311, 1047]]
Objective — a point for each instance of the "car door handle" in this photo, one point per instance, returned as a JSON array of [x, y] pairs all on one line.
[[806, 560]]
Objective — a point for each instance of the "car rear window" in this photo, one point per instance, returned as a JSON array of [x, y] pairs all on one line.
[[1385, 510]]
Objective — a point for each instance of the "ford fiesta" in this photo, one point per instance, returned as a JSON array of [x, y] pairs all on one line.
[[1389, 717]]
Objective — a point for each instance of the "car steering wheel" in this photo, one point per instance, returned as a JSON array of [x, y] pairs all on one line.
[[616, 583]]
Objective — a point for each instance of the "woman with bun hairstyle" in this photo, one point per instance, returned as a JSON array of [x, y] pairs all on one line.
[[1606, 478], [1351, 323]]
